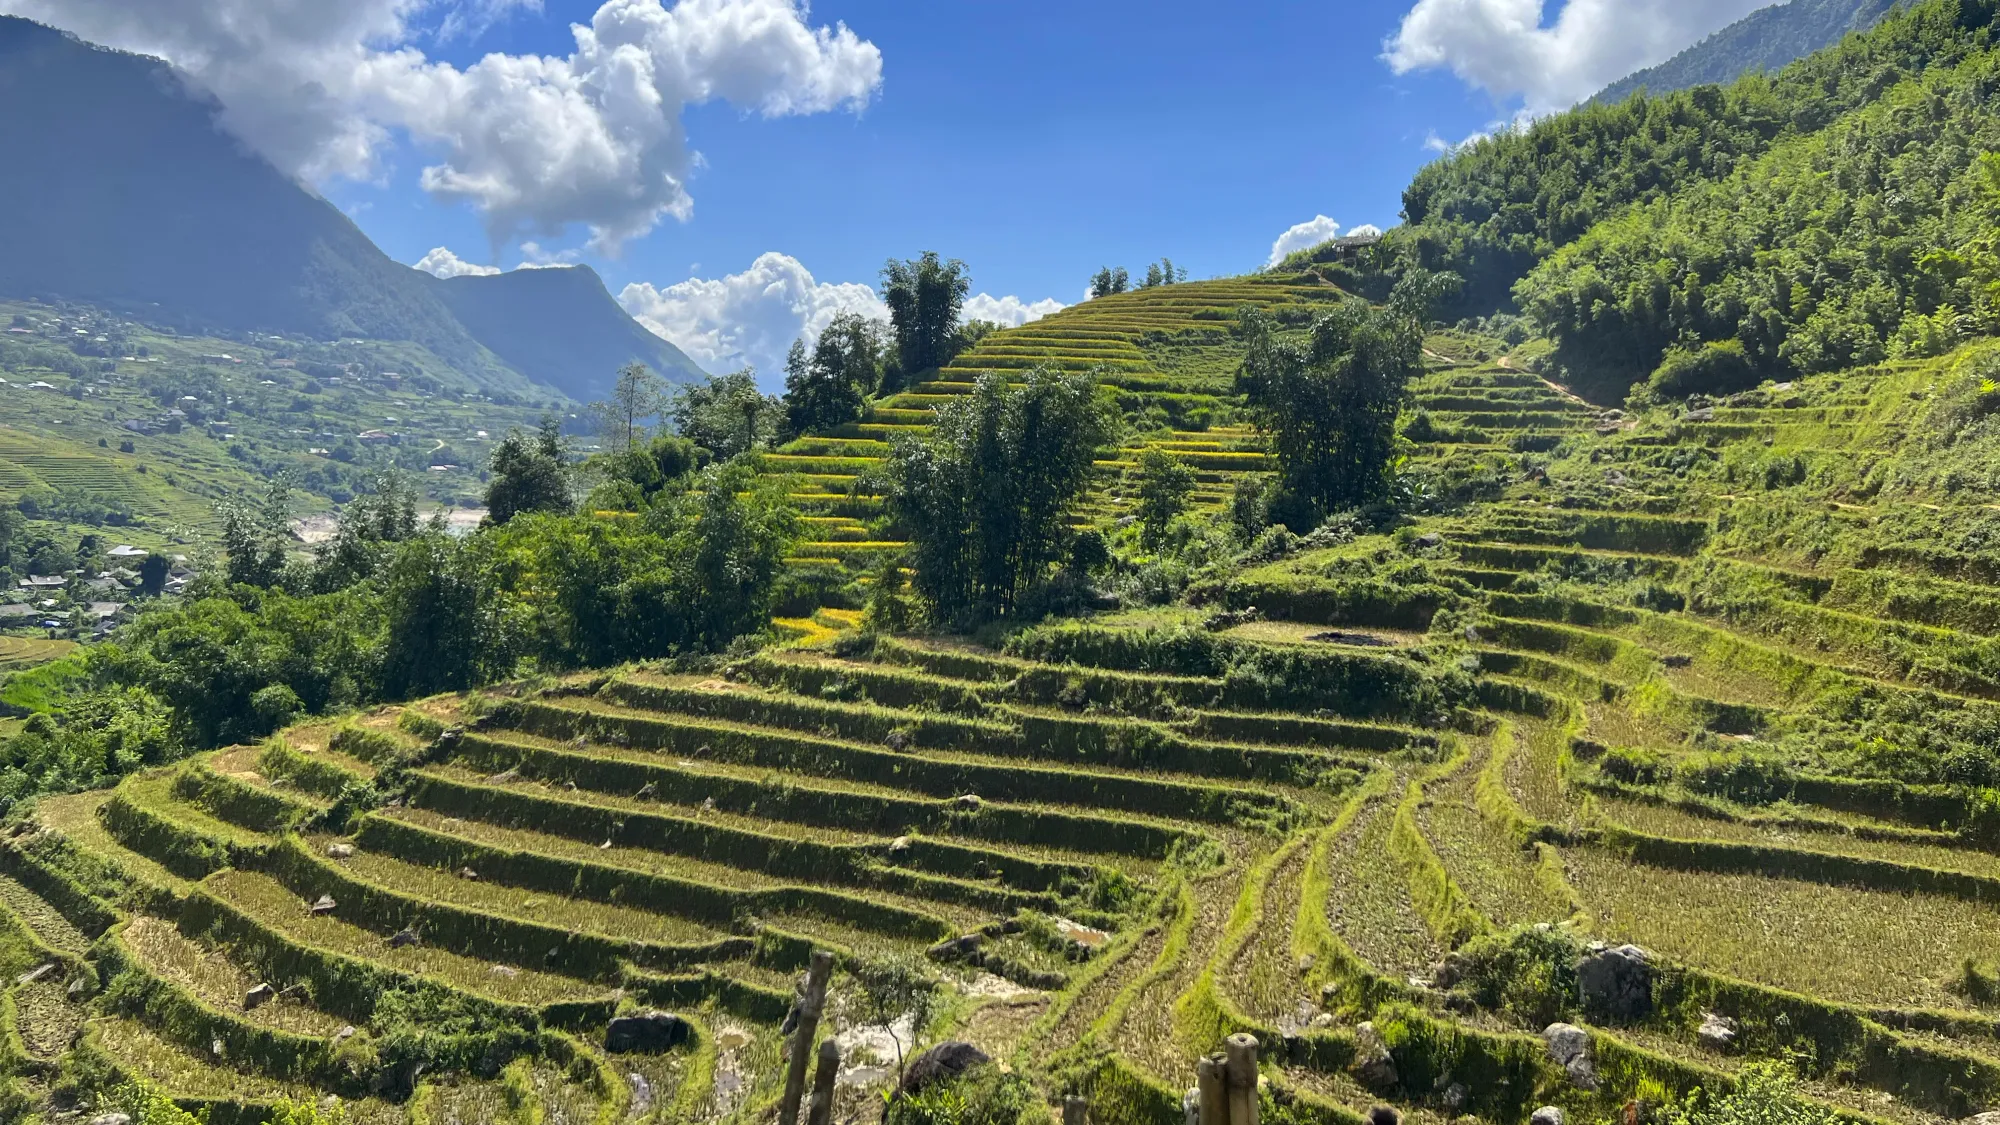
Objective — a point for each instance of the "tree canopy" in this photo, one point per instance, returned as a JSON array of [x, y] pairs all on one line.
[[925, 295]]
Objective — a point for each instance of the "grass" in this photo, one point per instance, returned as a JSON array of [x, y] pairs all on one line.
[[273, 906], [210, 975], [1852, 946], [46, 922]]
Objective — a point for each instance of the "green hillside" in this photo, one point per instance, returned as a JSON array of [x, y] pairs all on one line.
[[100, 448], [1715, 682], [1621, 748]]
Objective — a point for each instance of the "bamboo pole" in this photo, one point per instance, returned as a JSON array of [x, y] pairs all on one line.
[[1214, 1098], [1076, 1110], [1241, 1074], [819, 1110], [810, 1006]]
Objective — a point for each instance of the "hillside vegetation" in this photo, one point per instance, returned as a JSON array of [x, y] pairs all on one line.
[[1477, 749], [1766, 39]]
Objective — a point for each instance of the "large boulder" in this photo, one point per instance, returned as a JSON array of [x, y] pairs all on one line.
[[1615, 984], [942, 1063], [648, 1032]]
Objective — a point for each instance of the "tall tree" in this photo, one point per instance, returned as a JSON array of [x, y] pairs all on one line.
[[1164, 485], [636, 396], [530, 474], [443, 625], [257, 537], [1328, 404], [1110, 280], [986, 495], [827, 387], [925, 296]]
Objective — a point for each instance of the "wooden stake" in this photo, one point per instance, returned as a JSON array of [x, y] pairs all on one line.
[[1241, 1073], [1214, 1098], [1076, 1110], [819, 1111], [810, 1006]]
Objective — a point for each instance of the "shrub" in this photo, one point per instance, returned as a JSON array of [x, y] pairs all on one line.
[[1716, 368], [1765, 1093], [983, 1095]]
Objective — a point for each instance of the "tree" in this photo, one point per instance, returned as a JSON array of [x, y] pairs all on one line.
[[828, 387], [924, 296], [153, 571], [385, 514], [258, 537], [894, 991], [636, 396], [726, 414], [442, 629], [986, 495], [1110, 280], [1152, 276], [530, 474], [1328, 405], [1164, 485]]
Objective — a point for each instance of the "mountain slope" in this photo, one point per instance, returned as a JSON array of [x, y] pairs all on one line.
[[1766, 39], [560, 328], [142, 205]]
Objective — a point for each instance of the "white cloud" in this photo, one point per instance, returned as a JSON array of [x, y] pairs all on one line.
[[1010, 311], [535, 143], [749, 318], [471, 19], [1365, 230], [441, 262], [1509, 49], [1312, 232]]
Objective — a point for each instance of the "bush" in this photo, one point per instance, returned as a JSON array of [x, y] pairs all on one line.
[[984, 1095], [1713, 369], [276, 705]]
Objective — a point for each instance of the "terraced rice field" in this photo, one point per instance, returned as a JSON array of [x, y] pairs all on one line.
[[20, 653], [1168, 353], [1378, 826]]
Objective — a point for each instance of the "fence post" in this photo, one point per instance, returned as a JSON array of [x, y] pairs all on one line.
[[1214, 1099], [819, 1110], [1076, 1110], [1242, 1078], [809, 1008]]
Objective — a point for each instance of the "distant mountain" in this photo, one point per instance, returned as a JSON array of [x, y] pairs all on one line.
[[559, 327], [119, 190], [1765, 39]]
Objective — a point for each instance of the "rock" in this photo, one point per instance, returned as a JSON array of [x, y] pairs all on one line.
[[943, 1062], [1703, 414], [37, 973], [468, 874], [1449, 972], [324, 904], [340, 851], [1373, 1065], [1428, 540], [1384, 1115], [505, 776], [642, 1094], [344, 1034], [112, 1119], [1322, 1021], [1306, 963], [79, 986], [402, 938], [1616, 984], [1569, 1046], [1453, 1096], [971, 801], [953, 948], [507, 971], [708, 804], [1190, 1102], [258, 997], [650, 1032], [899, 846], [1472, 633], [1547, 1115], [897, 740], [1718, 1033], [650, 789]]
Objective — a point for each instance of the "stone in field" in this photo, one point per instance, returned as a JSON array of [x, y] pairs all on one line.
[[1373, 1064], [945, 1061], [651, 1032], [324, 904], [1547, 1115], [1569, 1046], [1717, 1033], [258, 997], [1616, 983]]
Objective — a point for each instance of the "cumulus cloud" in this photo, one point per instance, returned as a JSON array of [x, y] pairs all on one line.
[[1010, 310], [535, 143], [1312, 232], [441, 262], [1365, 230], [1510, 50], [748, 319]]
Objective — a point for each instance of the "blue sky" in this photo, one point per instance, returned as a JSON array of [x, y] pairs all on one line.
[[1037, 141], [738, 170]]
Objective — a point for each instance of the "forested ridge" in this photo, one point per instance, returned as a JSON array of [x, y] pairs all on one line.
[[1497, 210]]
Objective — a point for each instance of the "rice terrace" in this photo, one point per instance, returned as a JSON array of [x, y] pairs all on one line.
[[1535, 665]]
